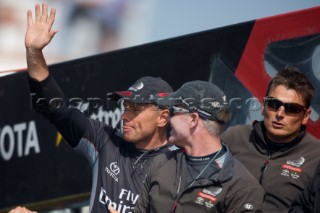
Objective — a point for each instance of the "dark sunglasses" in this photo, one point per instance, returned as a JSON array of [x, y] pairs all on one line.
[[203, 114], [291, 108], [173, 110]]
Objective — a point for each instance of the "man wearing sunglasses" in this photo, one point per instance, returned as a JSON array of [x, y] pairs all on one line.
[[119, 162], [279, 151], [202, 176]]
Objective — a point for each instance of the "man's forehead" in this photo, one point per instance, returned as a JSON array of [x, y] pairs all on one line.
[[286, 94], [286, 97]]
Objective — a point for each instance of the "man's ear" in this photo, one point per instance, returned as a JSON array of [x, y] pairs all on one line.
[[306, 117], [194, 119], [163, 118]]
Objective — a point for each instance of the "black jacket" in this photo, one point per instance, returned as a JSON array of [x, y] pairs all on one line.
[[232, 189], [282, 172], [309, 199], [118, 168]]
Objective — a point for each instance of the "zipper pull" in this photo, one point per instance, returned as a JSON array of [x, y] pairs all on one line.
[[174, 206], [264, 165]]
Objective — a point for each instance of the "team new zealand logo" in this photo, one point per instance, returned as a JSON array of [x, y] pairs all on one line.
[[292, 168]]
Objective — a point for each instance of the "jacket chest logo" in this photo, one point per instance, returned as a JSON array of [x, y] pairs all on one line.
[[292, 168], [208, 197], [113, 170]]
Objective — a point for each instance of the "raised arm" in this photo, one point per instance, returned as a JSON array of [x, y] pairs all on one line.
[[71, 123], [39, 35]]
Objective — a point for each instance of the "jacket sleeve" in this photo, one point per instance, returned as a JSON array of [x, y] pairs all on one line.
[[48, 100], [306, 200], [142, 204], [248, 199]]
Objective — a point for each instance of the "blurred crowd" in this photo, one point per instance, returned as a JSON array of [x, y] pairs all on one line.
[[85, 28]]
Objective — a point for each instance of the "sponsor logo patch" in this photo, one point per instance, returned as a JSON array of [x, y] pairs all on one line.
[[113, 171], [209, 204], [214, 192], [248, 206], [292, 168], [136, 87], [297, 163], [207, 196], [200, 200]]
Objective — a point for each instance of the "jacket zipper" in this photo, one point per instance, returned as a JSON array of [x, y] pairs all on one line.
[[264, 169], [174, 205]]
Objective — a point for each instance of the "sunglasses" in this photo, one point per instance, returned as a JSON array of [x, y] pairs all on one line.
[[173, 110], [290, 108], [202, 113]]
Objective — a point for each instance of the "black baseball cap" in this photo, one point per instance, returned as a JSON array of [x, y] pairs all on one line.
[[202, 97], [145, 90]]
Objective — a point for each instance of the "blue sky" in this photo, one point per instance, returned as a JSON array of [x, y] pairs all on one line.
[[173, 18]]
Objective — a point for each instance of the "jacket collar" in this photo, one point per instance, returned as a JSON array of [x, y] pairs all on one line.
[[225, 173]]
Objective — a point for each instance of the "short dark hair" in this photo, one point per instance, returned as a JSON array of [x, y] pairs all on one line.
[[292, 78]]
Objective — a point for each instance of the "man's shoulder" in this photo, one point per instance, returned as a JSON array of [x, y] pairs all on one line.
[[241, 172], [240, 127], [311, 139], [236, 133], [240, 175], [309, 144], [164, 158], [167, 154]]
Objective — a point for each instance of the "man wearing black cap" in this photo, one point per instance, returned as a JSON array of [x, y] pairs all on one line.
[[202, 176], [119, 163]]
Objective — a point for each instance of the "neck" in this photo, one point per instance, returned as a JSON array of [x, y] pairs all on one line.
[[151, 146], [203, 147], [201, 142]]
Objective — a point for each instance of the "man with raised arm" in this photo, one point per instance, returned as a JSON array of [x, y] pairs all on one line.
[[119, 162]]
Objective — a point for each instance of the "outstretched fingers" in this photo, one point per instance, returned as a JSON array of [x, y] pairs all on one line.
[[41, 15], [37, 13], [52, 16], [44, 13], [39, 32], [29, 18]]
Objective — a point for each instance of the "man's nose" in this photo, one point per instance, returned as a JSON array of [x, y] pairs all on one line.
[[281, 111]]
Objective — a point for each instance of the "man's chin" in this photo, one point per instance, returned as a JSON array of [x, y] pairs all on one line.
[[281, 137], [127, 138]]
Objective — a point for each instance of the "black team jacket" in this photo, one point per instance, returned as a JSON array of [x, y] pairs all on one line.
[[283, 171]]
